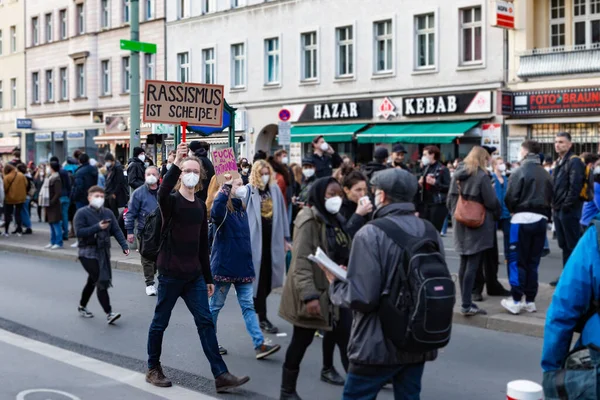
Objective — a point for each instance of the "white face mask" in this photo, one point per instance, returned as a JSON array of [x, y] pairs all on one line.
[[191, 154], [48, 171], [245, 170], [241, 192], [333, 204], [108, 164], [308, 173], [425, 160], [169, 165], [151, 180], [597, 170], [190, 180], [549, 169], [142, 157], [97, 202], [377, 199], [285, 160], [265, 179], [501, 167], [324, 146]]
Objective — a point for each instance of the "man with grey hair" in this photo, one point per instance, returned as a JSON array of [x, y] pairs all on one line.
[[143, 202], [374, 360]]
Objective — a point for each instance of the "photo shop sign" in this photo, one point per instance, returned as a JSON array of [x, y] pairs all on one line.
[[224, 163]]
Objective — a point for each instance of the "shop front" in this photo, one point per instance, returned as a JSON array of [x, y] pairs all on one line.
[[541, 114], [61, 144]]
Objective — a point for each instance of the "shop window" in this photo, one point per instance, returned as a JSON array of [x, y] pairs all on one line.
[[585, 137]]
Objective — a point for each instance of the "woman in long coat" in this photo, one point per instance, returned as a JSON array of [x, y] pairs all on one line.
[[53, 211]]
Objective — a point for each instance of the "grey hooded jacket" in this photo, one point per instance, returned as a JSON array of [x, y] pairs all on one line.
[[373, 257]]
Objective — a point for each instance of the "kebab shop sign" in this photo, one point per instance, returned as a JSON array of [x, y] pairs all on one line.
[[224, 163]]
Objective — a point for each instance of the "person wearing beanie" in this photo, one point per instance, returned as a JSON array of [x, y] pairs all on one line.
[[379, 162], [200, 149], [136, 169]]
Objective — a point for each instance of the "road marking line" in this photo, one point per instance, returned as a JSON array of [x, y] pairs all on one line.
[[113, 372]]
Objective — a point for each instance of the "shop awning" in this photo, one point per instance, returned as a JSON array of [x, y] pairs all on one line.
[[425, 133], [332, 133]]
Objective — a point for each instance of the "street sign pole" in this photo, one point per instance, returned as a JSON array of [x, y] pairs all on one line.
[[134, 74]]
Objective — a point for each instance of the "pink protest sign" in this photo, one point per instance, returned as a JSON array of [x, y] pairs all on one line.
[[224, 163]]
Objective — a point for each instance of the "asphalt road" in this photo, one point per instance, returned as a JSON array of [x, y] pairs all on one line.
[[39, 299]]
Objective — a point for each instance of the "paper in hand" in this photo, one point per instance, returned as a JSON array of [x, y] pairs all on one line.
[[321, 258]]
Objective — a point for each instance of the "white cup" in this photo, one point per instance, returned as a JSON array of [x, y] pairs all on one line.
[[524, 390]]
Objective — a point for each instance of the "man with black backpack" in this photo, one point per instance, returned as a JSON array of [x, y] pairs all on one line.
[[575, 307], [404, 255]]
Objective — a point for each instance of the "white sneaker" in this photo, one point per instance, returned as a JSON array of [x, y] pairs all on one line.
[[529, 307], [6, 234], [48, 246], [75, 245], [512, 307], [56, 247], [151, 290]]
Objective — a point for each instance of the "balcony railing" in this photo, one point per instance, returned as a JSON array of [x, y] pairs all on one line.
[[564, 60]]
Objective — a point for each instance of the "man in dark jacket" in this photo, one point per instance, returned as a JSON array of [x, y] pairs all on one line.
[[434, 183], [86, 176], [529, 199], [115, 190], [136, 168], [398, 156], [65, 201], [324, 157], [380, 157], [374, 361], [569, 176], [200, 150]]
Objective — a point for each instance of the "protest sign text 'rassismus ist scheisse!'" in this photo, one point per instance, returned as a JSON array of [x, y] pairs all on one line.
[[174, 103]]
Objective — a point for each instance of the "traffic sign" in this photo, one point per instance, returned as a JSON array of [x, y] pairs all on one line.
[[284, 115], [284, 134], [142, 47]]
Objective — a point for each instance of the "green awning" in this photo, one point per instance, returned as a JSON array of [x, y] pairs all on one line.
[[425, 133], [332, 133]]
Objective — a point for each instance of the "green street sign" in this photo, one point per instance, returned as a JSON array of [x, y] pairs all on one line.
[[142, 47]]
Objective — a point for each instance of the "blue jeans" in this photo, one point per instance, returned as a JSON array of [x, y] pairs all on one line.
[[25, 218], [445, 226], [406, 379], [195, 295], [504, 224], [526, 247], [56, 233], [578, 384], [65, 202], [245, 295]]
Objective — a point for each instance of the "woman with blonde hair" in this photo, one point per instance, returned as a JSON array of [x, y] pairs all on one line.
[[472, 182], [269, 235]]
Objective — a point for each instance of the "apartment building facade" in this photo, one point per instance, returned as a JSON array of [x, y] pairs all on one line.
[[361, 73]]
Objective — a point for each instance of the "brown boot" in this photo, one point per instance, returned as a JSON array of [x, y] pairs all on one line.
[[226, 381], [156, 377]]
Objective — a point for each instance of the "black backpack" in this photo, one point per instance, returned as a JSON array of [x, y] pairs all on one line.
[[417, 304], [154, 235]]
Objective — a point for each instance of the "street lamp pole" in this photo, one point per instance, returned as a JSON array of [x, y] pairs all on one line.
[[134, 74]]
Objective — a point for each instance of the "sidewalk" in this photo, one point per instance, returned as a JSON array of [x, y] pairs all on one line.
[[497, 319]]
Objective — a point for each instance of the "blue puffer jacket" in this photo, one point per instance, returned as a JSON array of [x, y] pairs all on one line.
[[231, 257], [501, 194], [142, 203], [579, 281]]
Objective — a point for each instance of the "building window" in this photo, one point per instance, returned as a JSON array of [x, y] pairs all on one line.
[[125, 11], [206, 6], [586, 20], [80, 19], [181, 9], [104, 14], [238, 66], [345, 51], [208, 65], [63, 24], [471, 34], [1, 47], [309, 55], [35, 87], [149, 66], [1, 96], [49, 28], [105, 70], [13, 39], [125, 69], [183, 67], [149, 9], [13, 92], [272, 61], [236, 3], [49, 85], [64, 91], [557, 23], [425, 41], [80, 74], [384, 46], [35, 31]]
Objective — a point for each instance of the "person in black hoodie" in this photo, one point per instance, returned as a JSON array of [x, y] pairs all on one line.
[[434, 183], [86, 176], [356, 207], [116, 192], [200, 150], [378, 164], [136, 170], [65, 181]]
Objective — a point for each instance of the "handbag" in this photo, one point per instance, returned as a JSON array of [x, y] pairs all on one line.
[[468, 212]]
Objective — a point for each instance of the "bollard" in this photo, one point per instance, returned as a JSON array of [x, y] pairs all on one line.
[[524, 390]]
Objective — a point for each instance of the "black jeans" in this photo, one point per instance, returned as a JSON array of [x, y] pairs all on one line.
[[9, 210], [568, 230], [436, 214], [92, 268], [266, 272], [111, 204], [469, 264], [487, 273], [303, 337], [330, 340]]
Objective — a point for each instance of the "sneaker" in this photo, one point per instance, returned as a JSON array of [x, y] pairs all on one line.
[[268, 327], [222, 350], [84, 312], [156, 377], [75, 245], [264, 351], [529, 307], [28, 231], [5, 234], [48, 246], [112, 317], [151, 290], [56, 247], [511, 306], [319, 334], [19, 234], [471, 311]]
